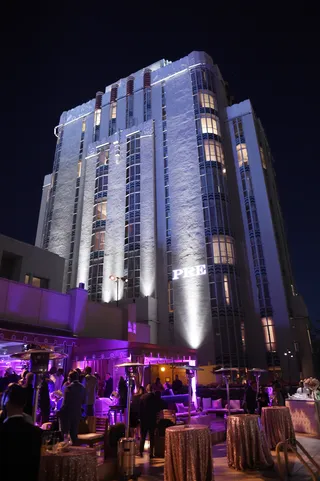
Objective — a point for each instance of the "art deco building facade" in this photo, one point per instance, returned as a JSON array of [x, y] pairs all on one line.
[[160, 181]]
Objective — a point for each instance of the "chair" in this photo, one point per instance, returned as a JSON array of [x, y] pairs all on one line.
[[88, 431]]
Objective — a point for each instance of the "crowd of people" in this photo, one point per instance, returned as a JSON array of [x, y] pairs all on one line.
[[254, 401], [74, 397]]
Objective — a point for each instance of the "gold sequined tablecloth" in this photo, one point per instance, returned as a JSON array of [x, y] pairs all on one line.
[[247, 446], [277, 425], [78, 464], [188, 454]]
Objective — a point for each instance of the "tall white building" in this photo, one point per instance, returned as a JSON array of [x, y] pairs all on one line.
[[160, 183]]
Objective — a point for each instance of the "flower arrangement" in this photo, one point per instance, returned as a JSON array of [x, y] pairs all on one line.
[[311, 383]]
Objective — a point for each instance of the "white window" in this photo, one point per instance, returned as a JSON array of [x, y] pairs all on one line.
[[263, 159], [210, 124], [269, 333], [213, 151], [113, 110], [242, 154], [83, 126], [79, 168], [226, 289], [223, 249], [97, 117], [207, 100]]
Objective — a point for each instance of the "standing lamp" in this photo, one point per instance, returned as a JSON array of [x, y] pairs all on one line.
[[39, 361], [256, 371], [190, 372], [226, 374], [126, 448], [117, 279]]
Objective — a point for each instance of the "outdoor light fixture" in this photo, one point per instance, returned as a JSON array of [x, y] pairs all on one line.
[[162, 369], [116, 279]]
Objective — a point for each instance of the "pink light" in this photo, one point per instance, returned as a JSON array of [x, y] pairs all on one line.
[[194, 384]]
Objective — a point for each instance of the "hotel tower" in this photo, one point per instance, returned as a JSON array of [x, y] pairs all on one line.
[[163, 185]]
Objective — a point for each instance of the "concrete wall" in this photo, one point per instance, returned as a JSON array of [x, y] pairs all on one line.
[[35, 261], [40, 307]]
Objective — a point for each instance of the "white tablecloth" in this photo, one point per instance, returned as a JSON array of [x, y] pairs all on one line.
[[305, 416]]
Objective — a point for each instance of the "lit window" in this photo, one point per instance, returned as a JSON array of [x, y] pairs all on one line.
[[269, 333], [97, 117], [226, 289], [223, 249], [101, 211], [242, 154], [207, 100], [79, 168], [113, 110], [26, 279], [213, 151], [263, 159], [83, 126], [243, 334], [98, 241], [210, 124], [103, 157]]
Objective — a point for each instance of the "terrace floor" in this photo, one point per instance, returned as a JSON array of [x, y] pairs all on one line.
[[154, 471]]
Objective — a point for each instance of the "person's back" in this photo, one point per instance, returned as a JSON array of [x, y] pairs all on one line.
[[90, 383], [70, 413], [74, 397], [19, 440], [148, 409]]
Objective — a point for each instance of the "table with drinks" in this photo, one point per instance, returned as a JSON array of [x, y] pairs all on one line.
[[60, 462]]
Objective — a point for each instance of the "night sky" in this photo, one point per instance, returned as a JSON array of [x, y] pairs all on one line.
[[56, 63]]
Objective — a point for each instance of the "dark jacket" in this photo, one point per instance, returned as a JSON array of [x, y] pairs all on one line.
[[74, 398], [149, 408], [108, 387], [20, 449], [250, 398], [29, 402]]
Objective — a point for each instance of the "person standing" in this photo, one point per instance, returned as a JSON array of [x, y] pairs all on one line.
[[250, 397], [148, 418], [108, 386], [70, 413], [20, 441], [44, 398], [90, 384], [29, 393], [123, 392], [59, 380], [157, 386], [177, 385]]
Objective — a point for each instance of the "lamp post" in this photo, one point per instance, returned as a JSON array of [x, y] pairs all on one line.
[[117, 279], [257, 373], [289, 355], [227, 376]]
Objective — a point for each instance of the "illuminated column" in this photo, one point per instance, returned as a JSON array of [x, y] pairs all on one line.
[[192, 313], [115, 222], [147, 201]]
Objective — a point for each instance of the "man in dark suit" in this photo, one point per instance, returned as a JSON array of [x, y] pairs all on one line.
[[149, 407], [108, 387], [74, 398], [20, 441]]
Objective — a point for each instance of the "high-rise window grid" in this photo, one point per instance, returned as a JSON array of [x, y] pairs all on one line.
[[167, 208], [113, 110], [132, 218], [129, 103], [97, 116], [75, 208], [255, 241], [50, 203], [99, 224], [225, 304], [147, 95]]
